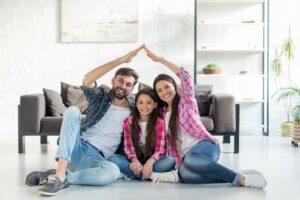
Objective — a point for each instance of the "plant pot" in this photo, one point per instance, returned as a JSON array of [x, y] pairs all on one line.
[[287, 129], [296, 134], [212, 71]]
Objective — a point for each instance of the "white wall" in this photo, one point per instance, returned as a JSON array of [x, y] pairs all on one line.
[[282, 15], [32, 58]]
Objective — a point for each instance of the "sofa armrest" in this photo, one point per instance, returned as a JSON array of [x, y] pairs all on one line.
[[32, 110], [223, 111]]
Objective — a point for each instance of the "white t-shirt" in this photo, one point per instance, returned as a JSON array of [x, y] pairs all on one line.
[[106, 134], [186, 142], [143, 135]]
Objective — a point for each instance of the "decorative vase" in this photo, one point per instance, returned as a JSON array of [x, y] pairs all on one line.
[[287, 129]]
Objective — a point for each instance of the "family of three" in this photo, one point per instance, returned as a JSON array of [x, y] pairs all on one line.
[[156, 136]]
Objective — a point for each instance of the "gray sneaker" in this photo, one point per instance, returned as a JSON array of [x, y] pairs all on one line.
[[38, 177], [54, 186]]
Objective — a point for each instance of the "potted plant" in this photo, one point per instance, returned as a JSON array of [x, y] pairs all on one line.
[[212, 69], [290, 93], [281, 63]]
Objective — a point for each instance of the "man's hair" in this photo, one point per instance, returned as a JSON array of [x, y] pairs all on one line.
[[126, 71]]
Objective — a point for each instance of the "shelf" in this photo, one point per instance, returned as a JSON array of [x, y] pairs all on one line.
[[231, 1], [234, 34], [232, 50], [244, 101], [230, 23], [231, 75]]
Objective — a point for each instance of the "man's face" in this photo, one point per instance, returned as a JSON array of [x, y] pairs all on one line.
[[122, 86]]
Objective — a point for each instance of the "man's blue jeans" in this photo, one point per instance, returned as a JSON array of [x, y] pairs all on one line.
[[200, 165], [163, 165], [86, 165]]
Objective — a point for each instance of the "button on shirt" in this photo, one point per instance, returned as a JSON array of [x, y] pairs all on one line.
[[106, 134]]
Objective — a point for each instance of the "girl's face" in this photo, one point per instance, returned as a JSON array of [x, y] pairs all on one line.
[[145, 105], [165, 91]]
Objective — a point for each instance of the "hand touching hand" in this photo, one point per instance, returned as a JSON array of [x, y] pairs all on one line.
[[128, 57], [135, 166], [148, 168], [151, 55]]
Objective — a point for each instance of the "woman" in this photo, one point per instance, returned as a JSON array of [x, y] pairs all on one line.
[[195, 150]]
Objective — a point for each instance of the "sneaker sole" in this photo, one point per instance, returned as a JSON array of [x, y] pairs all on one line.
[[43, 193]]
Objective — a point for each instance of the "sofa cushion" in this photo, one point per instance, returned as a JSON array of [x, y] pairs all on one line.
[[203, 94], [54, 103], [208, 122], [51, 125], [73, 96], [143, 86]]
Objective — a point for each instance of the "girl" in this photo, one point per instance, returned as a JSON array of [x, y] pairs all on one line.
[[195, 150], [144, 140]]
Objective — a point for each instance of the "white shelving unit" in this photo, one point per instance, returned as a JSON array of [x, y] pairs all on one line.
[[234, 35]]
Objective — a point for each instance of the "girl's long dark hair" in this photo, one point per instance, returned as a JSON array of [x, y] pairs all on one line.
[[149, 148], [173, 122]]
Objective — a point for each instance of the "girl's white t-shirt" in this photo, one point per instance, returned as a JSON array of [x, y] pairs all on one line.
[[186, 142], [143, 135]]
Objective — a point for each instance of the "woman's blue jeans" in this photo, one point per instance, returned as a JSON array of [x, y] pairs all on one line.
[[200, 165]]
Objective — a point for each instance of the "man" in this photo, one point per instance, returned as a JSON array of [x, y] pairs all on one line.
[[85, 147]]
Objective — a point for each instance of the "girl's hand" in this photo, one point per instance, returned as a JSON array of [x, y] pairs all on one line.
[[148, 168], [151, 55], [135, 166], [128, 57]]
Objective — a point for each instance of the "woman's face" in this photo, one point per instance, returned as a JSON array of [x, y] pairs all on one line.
[[165, 91]]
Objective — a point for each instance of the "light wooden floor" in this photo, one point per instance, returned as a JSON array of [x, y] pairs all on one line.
[[274, 156]]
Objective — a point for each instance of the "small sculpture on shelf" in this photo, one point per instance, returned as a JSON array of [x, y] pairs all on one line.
[[212, 69], [243, 71]]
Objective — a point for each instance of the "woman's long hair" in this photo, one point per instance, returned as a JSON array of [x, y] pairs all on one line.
[[151, 126], [173, 122]]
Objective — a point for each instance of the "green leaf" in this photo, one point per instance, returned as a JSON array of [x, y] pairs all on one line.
[[286, 93]]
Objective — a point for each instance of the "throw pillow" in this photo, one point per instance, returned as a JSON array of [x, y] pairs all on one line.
[[143, 86], [203, 94], [54, 103], [73, 96]]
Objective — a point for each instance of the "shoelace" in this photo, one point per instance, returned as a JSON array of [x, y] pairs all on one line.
[[43, 180], [53, 180], [161, 178]]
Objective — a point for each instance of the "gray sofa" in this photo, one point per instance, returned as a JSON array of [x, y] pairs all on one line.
[[222, 119]]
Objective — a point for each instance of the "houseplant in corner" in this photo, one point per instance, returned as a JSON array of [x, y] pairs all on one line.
[[290, 93], [282, 63], [212, 69]]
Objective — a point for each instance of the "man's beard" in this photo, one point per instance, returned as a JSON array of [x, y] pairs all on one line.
[[117, 95]]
